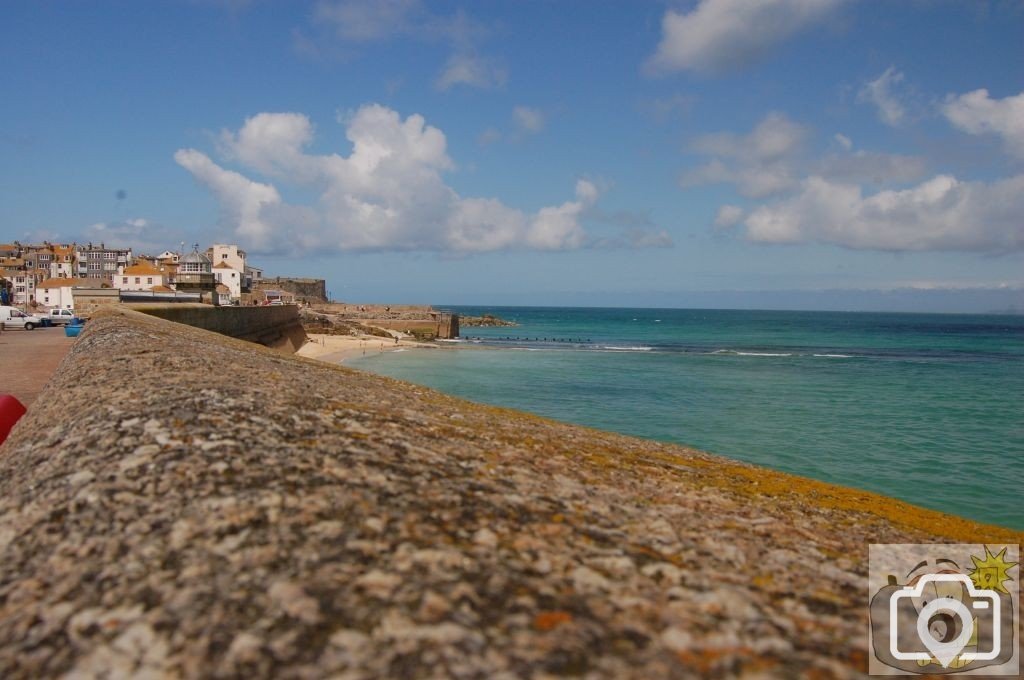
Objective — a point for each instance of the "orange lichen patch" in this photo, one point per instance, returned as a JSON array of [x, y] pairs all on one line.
[[741, 479], [748, 480], [858, 659], [546, 621], [704, 661]]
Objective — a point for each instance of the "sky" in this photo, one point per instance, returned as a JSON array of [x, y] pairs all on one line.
[[823, 154]]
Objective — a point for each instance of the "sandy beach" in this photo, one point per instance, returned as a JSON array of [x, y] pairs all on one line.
[[340, 348]]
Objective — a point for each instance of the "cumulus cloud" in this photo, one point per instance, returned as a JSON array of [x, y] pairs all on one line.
[[242, 200], [760, 163], [882, 92], [720, 35], [942, 213], [387, 194], [976, 113], [772, 159]]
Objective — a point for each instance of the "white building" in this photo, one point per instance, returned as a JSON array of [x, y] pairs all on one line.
[[58, 292], [138, 277], [62, 261], [229, 277], [223, 294], [229, 254]]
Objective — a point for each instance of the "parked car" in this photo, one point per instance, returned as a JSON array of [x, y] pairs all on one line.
[[61, 317], [12, 317]]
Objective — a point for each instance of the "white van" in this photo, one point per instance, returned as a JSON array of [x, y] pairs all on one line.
[[61, 317], [12, 317]]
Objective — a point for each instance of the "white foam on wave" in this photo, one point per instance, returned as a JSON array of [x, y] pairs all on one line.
[[627, 349], [737, 353], [834, 356]]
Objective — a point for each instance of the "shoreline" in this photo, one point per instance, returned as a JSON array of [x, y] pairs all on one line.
[[337, 349]]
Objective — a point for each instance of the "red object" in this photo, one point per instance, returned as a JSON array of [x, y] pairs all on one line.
[[11, 410]]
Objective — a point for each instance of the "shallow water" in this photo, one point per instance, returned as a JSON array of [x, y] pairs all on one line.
[[927, 408]]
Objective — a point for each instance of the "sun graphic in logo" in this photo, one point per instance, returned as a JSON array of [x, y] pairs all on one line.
[[990, 573]]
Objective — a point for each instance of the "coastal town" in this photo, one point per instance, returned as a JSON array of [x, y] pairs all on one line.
[[83, 276]]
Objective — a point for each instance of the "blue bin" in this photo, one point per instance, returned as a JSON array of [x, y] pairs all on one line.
[[72, 330]]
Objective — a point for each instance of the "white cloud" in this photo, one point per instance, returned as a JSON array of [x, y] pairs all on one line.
[[726, 34], [527, 120], [772, 159], [662, 109], [760, 163], [489, 136], [882, 93], [464, 68], [242, 200], [139, 234], [942, 213], [387, 194], [871, 167], [976, 113], [728, 216], [366, 20]]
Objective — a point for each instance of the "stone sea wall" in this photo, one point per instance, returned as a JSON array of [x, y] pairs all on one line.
[[276, 326], [180, 503]]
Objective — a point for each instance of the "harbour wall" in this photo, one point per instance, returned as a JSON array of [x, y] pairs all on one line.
[[178, 503], [274, 326]]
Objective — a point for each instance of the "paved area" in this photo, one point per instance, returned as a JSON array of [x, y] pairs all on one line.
[[29, 358]]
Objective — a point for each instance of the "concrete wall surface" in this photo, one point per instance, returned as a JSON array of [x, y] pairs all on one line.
[[181, 504], [272, 326]]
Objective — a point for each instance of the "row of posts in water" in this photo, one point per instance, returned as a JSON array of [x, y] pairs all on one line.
[[509, 338]]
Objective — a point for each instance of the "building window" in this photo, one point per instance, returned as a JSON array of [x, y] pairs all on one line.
[[124, 279], [137, 280], [149, 279]]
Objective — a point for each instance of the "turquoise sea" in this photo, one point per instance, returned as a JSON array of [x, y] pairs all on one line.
[[927, 408]]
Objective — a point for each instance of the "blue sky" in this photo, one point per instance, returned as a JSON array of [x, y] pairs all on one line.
[[819, 153]]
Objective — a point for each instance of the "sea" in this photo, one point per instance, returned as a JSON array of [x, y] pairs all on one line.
[[928, 408]]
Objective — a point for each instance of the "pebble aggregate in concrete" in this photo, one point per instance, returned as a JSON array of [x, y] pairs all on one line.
[[180, 504]]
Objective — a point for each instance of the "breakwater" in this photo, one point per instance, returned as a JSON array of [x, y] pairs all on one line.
[[178, 502]]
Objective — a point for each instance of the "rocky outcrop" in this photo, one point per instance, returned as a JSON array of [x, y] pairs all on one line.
[[485, 320], [181, 503]]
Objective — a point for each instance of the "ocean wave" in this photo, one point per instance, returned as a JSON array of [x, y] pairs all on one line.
[[738, 353], [835, 356], [616, 348]]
